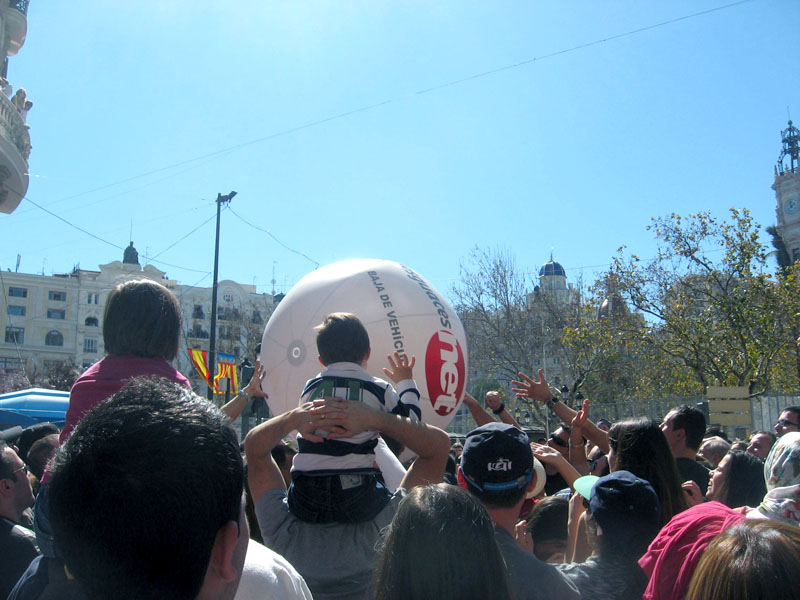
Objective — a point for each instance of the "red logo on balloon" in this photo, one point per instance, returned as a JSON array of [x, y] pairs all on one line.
[[445, 371]]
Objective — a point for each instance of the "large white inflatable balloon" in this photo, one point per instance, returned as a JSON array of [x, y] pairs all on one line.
[[401, 311]]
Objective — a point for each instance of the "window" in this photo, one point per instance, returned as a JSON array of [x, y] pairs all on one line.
[[54, 338], [18, 292], [197, 312], [198, 332], [18, 311], [57, 296], [15, 335], [91, 322], [90, 345], [56, 313], [10, 365], [93, 299]]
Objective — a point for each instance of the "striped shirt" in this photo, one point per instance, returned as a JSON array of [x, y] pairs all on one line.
[[351, 382]]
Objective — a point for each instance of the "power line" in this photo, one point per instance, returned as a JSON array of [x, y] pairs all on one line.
[[113, 245], [316, 264], [375, 105], [152, 258]]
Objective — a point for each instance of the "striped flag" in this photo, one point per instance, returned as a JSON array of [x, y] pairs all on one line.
[[226, 367], [199, 359]]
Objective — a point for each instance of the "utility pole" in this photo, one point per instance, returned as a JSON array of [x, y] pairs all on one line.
[[212, 342]]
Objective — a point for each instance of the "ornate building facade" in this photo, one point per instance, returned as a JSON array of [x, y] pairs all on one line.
[[51, 319], [787, 191], [15, 141]]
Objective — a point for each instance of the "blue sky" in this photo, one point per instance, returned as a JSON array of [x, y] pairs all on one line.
[[143, 112]]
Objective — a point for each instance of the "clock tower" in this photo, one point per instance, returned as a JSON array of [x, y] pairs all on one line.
[[787, 191]]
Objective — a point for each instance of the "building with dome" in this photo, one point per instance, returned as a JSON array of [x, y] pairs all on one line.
[[47, 320], [550, 302]]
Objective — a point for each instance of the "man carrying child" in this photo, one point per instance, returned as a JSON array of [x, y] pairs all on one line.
[[334, 479]]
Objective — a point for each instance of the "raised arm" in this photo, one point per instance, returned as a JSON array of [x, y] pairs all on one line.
[[239, 402], [554, 458], [477, 411], [263, 473], [495, 402], [540, 391]]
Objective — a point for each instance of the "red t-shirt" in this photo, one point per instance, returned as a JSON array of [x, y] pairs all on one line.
[[673, 556], [105, 378]]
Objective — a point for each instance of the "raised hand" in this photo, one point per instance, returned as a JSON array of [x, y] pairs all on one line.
[[401, 367], [493, 400], [528, 388], [253, 387], [546, 454]]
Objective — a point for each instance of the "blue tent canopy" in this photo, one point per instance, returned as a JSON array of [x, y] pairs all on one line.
[[35, 405]]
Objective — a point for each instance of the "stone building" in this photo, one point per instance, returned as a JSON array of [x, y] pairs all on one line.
[[787, 192], [15, 141], [550, 303], [50, 319]]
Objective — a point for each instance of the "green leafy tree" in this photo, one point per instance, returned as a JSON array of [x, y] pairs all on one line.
[[711, 305]]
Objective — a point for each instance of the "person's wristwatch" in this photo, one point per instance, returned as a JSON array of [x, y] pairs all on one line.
[[499, 409], [552, 402], [243, 392]]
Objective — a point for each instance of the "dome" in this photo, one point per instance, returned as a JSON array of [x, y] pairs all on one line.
[[552, 268]]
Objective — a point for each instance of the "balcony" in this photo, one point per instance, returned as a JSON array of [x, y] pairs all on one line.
[[16, 23], [15, 147]]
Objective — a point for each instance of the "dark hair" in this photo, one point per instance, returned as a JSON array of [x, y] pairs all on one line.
[[141, 489], [753, 559], [743, 484], [693, 422], [142, 318], [422, 553], [282, 454], [795, 410], [342, 338], [548, 519], [716, 431], [5, 464], [30, 435], [640, 447], [42, 451]]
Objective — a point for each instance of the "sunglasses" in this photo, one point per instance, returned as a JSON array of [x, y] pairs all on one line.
[[558, 441], [787, 423], [23, 468]]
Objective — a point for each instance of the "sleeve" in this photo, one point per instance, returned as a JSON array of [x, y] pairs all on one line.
[[405, 401]]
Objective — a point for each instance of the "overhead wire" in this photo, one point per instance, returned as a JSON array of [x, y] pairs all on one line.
[[269, 233], [375, 105], [112, 244], [341, 115]]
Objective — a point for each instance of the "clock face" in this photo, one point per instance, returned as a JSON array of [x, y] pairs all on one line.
[[790, 206]]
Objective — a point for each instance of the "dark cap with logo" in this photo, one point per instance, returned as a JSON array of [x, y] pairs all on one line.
[[497, 457]]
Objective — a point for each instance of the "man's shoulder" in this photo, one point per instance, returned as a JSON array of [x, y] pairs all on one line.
[[16, 535], [268, 574], [691, 469], [349, 548]]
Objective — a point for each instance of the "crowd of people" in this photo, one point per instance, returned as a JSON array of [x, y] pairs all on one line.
[[147, 493]]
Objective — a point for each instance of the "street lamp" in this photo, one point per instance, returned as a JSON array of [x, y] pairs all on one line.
[[212, 342]]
